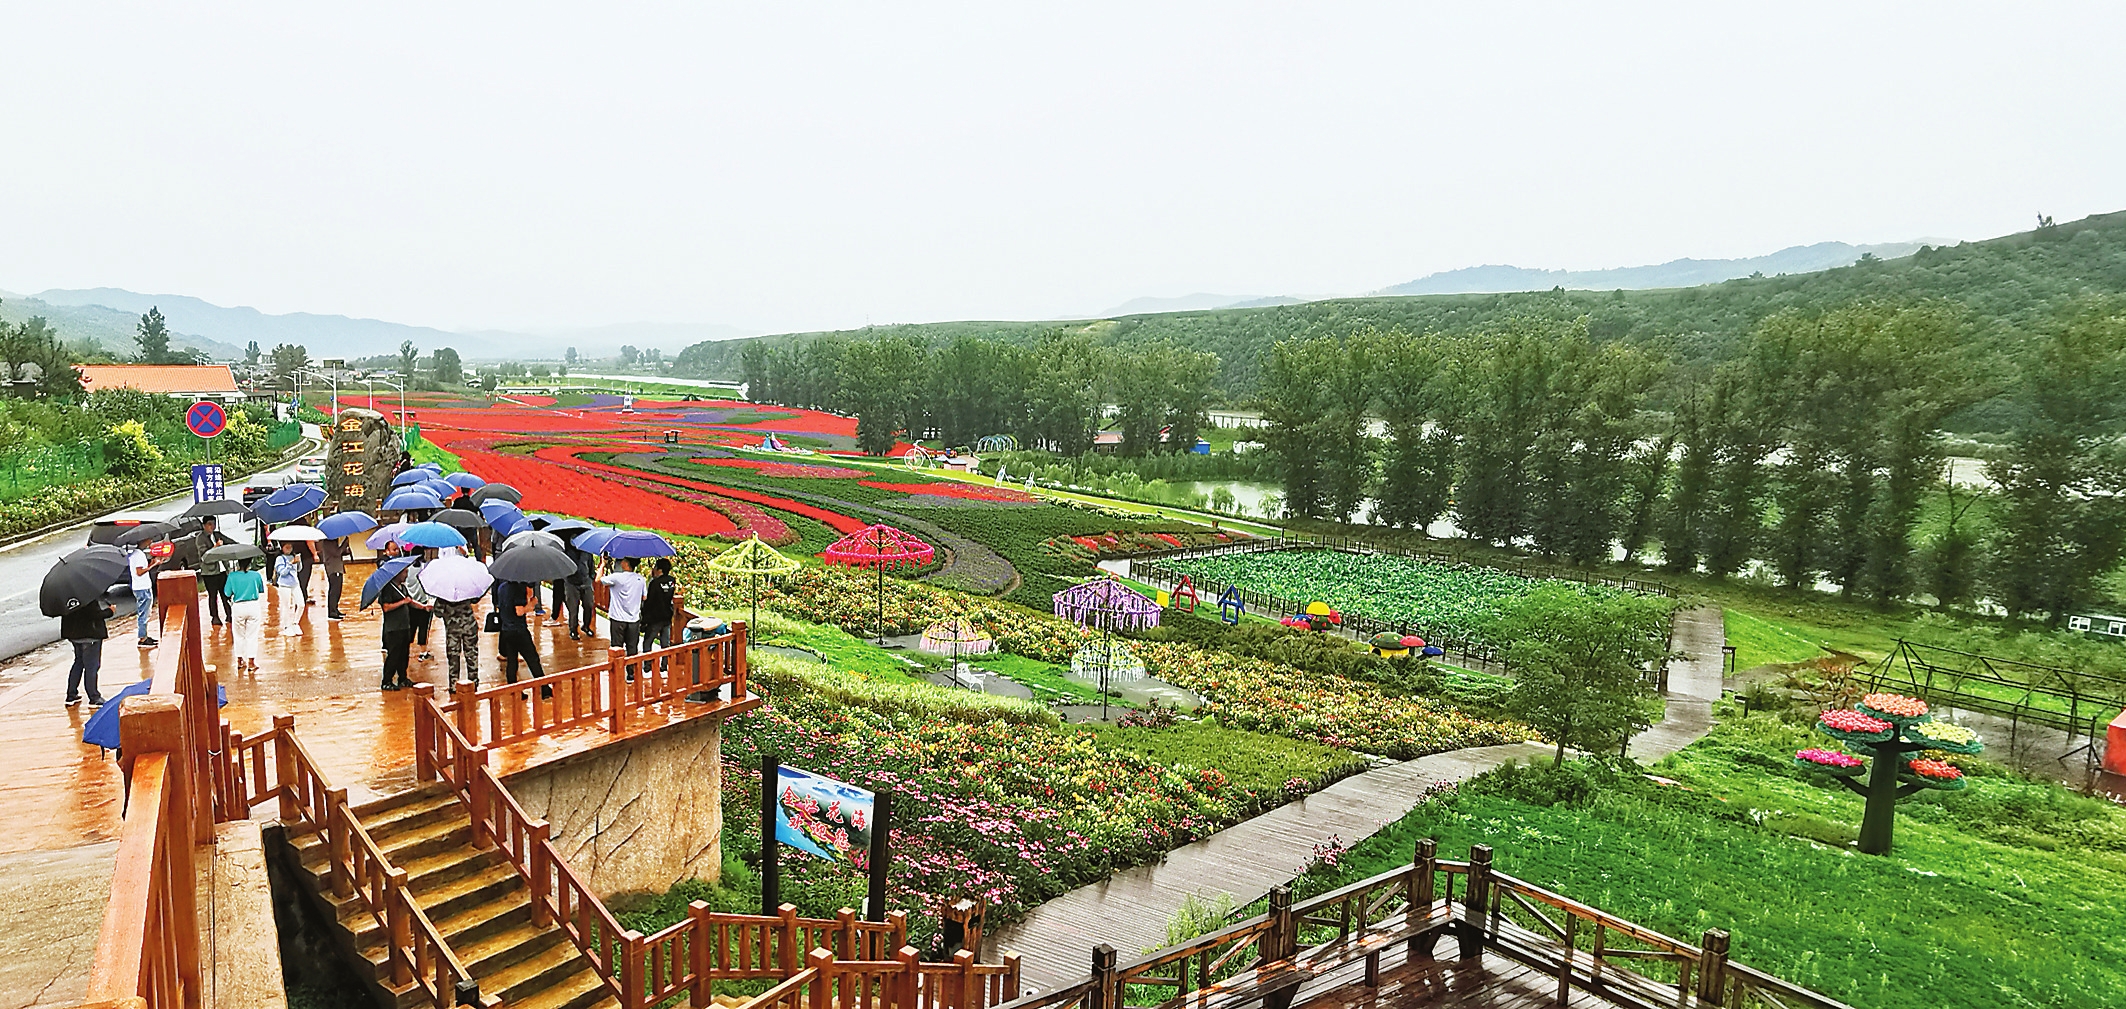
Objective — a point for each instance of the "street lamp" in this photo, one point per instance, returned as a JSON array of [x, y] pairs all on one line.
[[372, 383], [333, 377]]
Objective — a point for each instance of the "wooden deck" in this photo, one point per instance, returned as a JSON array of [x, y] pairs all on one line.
[[1490, 982]]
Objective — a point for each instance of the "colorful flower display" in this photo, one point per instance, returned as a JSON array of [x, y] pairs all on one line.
[[1894, 706], [1936, 770], [1849, 721]]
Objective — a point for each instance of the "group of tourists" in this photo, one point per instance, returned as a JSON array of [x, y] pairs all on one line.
[[638, 612]]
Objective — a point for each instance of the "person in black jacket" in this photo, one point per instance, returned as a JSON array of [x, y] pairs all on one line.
[[84, 627], [212, 580]]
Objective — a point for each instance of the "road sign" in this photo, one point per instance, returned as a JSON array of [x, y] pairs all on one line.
[[206, 419], [206, 482]]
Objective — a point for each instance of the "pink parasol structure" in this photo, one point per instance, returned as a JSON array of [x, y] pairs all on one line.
[[880, 547], [1106, 604]]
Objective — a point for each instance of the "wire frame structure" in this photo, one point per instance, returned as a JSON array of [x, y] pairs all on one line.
[[1104, 664], [879, 547], [755, 560], [1107, 604], [956, 636], [918, 457]]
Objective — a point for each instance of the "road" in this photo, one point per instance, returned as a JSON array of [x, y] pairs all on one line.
[[23, 565]]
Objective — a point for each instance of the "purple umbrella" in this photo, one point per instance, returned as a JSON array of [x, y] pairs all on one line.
[[386, 534]]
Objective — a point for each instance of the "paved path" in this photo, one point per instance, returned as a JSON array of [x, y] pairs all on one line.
[[1130, 909]]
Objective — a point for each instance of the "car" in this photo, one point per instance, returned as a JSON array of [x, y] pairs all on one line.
[[311, 469], [107, 530], [264, 484]]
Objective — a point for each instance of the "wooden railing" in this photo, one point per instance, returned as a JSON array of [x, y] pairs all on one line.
[[899, 982], [605, 693], [1291, 944]]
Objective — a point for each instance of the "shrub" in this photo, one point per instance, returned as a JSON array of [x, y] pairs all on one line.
[[127, 452]]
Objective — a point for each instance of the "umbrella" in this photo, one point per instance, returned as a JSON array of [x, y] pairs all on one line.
[[1318, 608], [510, 525], [232, 553], [386, 534], [532, 562], [456, 578], [304, 534], [752, 559], [540, 520], [102, 727], [1412, 641], [492, 510], [443, 491], [593, 541], [1432, 651], [146, 532], [525, 537], [290, 503], [408, 499], [434, 468], [497, 492], [79, 579], [458, 518], [345, 524], [385, 572], [415, 475], [637, 543], [431, 534], [562, 527], [224, 506], [466, 481]]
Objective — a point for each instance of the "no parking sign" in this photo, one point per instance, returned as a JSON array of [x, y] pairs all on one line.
[[206, 419]]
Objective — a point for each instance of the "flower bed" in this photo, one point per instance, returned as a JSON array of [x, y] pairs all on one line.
[[1896, 708], [1854, 727], [1817, 759]]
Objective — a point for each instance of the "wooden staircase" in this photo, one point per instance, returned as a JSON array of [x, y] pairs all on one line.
[[476, 899]]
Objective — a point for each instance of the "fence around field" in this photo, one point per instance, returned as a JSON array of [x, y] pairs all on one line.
[[2079, 704]]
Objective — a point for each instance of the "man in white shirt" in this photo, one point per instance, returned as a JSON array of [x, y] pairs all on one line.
[[623, 604], [137, 561]]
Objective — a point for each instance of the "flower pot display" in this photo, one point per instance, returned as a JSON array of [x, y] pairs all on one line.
[[1888, 729]]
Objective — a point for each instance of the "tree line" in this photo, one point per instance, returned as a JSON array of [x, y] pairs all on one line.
[[1053, 393], [1814, 452]]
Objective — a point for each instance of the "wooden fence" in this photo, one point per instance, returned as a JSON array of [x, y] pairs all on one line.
[[1297, 947]]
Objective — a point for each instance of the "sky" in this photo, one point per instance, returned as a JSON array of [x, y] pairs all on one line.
[[812, 165]]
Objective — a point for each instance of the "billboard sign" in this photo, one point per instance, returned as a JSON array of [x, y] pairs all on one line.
[[823, 817]]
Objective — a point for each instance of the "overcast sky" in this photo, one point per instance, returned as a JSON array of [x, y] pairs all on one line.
[[806, 165]]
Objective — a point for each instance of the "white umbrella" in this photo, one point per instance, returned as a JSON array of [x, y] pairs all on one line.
[[455, 578], [298, 533]]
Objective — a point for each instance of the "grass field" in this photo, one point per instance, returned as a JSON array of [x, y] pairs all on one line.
[[2006, 894]]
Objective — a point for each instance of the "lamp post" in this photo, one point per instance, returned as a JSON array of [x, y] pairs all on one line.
[[372, 383]]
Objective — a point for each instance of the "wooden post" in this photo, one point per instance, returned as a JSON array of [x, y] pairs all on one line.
[[1476, 903], [881, 856], [770, 853], [846, 917], [616, 689], [822, 962], [1712, 966], [702, 992], [468, 716], [541, 869], [1424, 893], [481, 804], [284, 766], [1011, 977], [1104, 993], [632, 963], [908, 990], [1281, 944], [968, 995], [338, 840], [424, 733], [399, 926], [1565, 960], [148, 724], [788, 953]]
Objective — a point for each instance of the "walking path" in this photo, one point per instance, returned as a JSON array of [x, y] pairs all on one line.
[[1130, 909]]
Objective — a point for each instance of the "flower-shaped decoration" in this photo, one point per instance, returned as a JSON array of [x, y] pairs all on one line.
[[1854, 727], [1818, 759], [1894, 708], [1935, 774], [1947, 736]]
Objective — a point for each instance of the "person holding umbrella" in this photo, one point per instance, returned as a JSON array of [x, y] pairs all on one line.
[[657, 606], [456, 583], [85, 628], [73, 592], [387, 589], [212, 576], [246, 589], [513, 600], [623, 604], [287, 581]]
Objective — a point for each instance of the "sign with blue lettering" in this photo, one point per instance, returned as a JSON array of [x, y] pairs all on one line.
[[206, 482], [206, 419]]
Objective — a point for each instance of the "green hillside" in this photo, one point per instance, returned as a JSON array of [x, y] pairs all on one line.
[[2005, 288]]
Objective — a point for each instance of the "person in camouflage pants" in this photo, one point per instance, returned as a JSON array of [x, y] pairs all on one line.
[[461, 629]]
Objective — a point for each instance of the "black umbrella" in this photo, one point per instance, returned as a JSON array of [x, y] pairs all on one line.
[[222, 507], [147, 532], [79, 579], [460, 519], [532, 562], [497, 492], [232, 553]]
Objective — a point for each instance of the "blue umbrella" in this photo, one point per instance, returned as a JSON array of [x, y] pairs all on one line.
[[290, 503], [385, 572], [1432, 651], [635, 543], [432, 467], [466, 481], [102, 727], [593, 541], [410, 499], [431, 534], [410, 476], [508, 525], [441, 489], [562, 527], [494, 511], [344, 524]]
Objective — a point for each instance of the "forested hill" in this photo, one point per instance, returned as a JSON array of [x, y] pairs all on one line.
[[2008, 287]]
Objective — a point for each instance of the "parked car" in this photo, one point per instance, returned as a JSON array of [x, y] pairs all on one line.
[[311, 469]]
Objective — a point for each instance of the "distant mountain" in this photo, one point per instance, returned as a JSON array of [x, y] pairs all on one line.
[[1675, 273], [1190, 303], [107, 316]]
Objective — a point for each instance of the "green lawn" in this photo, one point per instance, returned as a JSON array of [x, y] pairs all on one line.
[[1046, 679], [1252, 760], [2006, 894]]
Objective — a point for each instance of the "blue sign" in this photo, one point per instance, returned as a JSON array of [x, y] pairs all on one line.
[[206, 419], [823, 817], [206, 482]]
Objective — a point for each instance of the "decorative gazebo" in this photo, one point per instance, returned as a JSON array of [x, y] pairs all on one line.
[[754, 559], [879, 547], [1105, 663], [956, 636], [1107, 604]]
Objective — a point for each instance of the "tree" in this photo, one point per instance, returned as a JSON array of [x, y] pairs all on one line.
[[408, 354], [127, 452], [1584, 665], [1413, 391], [32, 357], [153, 336], [448, 369], [1890, 729], [289, 358], [569, 357], [252, 354], [881, 380], [628, 354]]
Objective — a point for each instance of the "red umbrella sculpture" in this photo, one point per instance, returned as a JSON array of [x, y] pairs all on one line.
[[1106, 604], [879, 546]]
